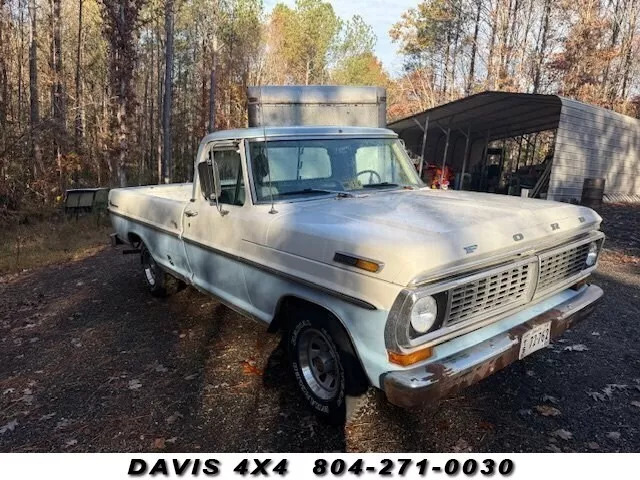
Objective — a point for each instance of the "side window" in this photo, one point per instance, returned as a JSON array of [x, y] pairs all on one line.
[[231, 180]]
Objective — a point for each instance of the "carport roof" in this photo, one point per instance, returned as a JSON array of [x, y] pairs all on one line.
[[500, 114]]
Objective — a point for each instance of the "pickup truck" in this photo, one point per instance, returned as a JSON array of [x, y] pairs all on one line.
[[328, 235]]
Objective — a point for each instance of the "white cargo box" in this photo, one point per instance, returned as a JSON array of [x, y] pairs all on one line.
[[281, 106]]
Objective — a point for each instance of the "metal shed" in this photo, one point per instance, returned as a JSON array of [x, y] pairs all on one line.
[[585, 141]]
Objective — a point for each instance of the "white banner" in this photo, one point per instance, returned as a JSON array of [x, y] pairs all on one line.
[[70, 466]]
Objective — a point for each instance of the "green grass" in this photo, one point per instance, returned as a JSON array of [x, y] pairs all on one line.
[[56, 239]]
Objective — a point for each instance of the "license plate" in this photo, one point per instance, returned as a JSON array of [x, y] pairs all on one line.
[[535, 339]]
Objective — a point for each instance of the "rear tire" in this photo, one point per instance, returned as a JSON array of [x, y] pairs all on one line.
[[323, 362], [159, 282]]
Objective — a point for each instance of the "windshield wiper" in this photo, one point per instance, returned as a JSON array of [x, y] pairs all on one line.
[[381, 184], [316, 190]]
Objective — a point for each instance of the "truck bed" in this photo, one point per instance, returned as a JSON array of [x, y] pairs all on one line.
[[157, 206]]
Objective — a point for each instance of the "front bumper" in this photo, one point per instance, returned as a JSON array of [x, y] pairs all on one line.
[[419, 385]]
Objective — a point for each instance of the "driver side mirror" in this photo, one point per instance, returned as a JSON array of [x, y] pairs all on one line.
[[209, 180], [209, 176]]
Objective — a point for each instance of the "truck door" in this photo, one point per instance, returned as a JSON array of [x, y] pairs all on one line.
[[212, 236]]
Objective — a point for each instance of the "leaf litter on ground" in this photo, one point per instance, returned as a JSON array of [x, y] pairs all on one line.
[[548, 411]]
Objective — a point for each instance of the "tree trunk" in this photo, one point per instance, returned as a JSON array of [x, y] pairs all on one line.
[[57, 90], [79, 133], [34, 100], [474, 49], [492, 42], [4, 80], [542, 46], [167, 159], [20, 59], [212, 101]]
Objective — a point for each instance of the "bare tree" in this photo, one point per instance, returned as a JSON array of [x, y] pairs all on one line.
[[167, 159], [542, 46], [34, 100], [79, 131], [120, 19]]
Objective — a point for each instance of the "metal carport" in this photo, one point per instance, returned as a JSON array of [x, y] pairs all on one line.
[[589, 141]]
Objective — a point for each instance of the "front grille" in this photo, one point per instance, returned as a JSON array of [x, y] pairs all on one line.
[[490, 295], [557, 267]]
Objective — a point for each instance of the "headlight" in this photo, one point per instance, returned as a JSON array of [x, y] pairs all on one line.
[[592, 256], [424, 314]]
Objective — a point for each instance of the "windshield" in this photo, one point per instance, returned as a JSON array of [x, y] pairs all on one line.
[[300, 168]]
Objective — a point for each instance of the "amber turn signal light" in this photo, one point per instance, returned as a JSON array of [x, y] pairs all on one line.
[[405, 359], [368, 265]]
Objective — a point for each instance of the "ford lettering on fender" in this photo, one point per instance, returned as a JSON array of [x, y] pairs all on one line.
[[327, 235]]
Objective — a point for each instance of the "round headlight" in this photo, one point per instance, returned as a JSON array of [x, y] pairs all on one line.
[[424, 314], [592, 256]]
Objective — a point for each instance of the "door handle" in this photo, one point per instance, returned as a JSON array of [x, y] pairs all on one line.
[[190, 213]]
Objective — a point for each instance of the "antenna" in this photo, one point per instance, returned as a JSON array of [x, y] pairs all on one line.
[[266, 150]]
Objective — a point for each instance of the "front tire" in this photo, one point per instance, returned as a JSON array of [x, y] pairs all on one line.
[[159, 282], [323, 363]]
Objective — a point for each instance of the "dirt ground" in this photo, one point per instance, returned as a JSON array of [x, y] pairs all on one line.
[[90, 362]]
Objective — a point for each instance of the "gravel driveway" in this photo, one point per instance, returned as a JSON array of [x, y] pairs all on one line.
[[90, 362]]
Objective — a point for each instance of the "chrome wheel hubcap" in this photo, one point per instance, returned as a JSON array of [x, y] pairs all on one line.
[[318, 363]]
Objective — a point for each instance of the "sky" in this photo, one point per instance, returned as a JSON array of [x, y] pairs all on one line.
[[380, 14]]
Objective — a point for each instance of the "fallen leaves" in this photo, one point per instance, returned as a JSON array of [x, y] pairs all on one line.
[[607, 392], [134, 384], [635, 403], [159, 443], [9, 427], [614, 436], [249, 367], [158, 367], [576, 348], [597, 396], [593, 446], [550, 399], [173, 418], [563, 434], [548, 411], [461, 446]]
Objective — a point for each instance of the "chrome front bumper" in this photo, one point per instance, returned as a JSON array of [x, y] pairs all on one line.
[[419, 385]]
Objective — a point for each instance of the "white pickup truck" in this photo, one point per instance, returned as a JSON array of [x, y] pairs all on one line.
[[328, 235]]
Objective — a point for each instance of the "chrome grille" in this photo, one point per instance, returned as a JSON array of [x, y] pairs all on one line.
[[557, 267], [490, 295]]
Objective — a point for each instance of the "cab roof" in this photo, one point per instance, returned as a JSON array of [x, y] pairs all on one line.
[[302, 131]]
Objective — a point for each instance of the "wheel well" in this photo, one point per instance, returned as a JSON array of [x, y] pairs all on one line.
[[280, 321], [134, 239]]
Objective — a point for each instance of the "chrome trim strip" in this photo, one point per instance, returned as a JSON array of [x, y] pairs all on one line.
[[146, 224], [347, 298]]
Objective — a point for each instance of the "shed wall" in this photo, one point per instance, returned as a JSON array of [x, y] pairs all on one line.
[[593, 142]]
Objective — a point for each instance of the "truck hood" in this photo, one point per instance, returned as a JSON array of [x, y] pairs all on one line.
[[418, 233]]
